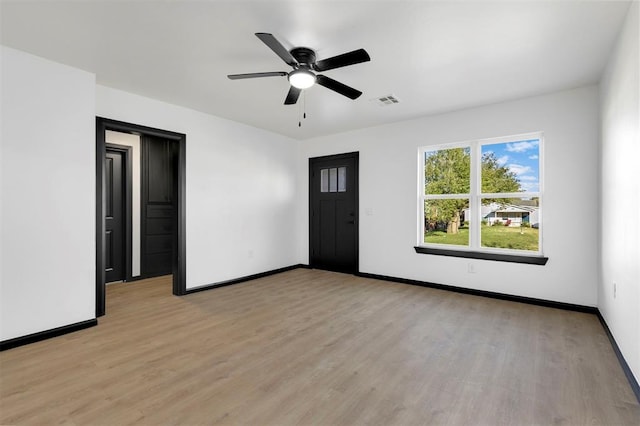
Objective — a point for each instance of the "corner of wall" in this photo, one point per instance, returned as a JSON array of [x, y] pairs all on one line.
[[619, 246]]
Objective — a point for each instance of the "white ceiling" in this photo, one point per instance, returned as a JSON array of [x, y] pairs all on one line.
[[433, 56]]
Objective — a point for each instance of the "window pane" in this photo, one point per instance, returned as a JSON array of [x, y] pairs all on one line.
[[342, 179], [324, 180], [445, 222], [510, 223], [447, 171], [511, 166], [333, 179]]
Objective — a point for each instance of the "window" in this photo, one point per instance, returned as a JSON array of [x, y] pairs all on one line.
[[482, 196], [333, 179]]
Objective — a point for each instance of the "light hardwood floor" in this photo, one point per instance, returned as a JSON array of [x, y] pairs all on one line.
[[315, 347]]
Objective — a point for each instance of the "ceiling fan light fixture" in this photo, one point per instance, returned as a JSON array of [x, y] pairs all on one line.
[[302, 78]]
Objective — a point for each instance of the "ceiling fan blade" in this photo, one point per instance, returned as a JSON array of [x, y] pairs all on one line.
[[338, 87], [256, 75], [292, 96], [278, 48], [349, 58]]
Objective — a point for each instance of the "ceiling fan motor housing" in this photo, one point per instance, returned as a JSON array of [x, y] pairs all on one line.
[[304, 56]]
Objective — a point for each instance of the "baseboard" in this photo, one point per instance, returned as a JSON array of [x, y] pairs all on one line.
[[483, 293], [623, 362], [47, 334], [244, 279]]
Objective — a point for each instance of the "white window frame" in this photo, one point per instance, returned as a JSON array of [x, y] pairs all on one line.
[[475, 196]]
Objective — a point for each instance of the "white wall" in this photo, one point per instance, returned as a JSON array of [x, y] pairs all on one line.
[[240, 188], [388, 176], [241, 192], [133, 141], [47, 189], [620, 189]]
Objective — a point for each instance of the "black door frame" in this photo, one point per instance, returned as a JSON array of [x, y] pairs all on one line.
[[179, 262], [126, 204], [355, 156]]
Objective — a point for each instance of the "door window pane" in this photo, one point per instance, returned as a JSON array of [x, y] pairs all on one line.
[[324, 180], [342, 179], [333, 179]]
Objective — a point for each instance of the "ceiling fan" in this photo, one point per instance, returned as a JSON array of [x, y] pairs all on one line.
[[304, 64]]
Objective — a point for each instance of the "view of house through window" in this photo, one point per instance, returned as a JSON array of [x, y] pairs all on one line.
[[482, 195]]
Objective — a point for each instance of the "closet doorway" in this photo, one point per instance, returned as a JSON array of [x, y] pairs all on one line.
[[152, 210]]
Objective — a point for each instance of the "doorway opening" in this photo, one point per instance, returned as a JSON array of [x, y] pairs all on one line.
[[161, 235], [333, 212]]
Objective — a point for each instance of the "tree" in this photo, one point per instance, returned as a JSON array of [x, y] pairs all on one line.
[[447, 171], [496, 178]]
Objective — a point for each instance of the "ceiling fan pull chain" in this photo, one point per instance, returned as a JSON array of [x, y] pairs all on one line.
[[303, 107]]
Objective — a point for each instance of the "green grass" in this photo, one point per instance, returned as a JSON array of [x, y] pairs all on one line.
[[491, 236], [441, 237]]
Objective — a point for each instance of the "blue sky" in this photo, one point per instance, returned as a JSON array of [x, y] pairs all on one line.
[[522, 158]]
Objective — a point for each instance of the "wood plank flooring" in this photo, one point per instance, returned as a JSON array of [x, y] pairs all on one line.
[[314, 347]]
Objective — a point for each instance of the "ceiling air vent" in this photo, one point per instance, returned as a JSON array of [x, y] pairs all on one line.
[[386, 100]]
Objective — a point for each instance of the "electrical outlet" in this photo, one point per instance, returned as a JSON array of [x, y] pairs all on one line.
[[471, 268], [615, 290]]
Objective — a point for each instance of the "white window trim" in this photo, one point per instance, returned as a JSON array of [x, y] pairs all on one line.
[[476, 195]]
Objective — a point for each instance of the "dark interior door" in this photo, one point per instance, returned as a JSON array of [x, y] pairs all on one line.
[[114, 216], [159, 230], [333, 212]]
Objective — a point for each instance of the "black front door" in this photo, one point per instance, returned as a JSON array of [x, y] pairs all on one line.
[[333, 212], [114, 216]]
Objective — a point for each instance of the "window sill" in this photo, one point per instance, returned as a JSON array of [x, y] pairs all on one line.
[[530, 260]]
